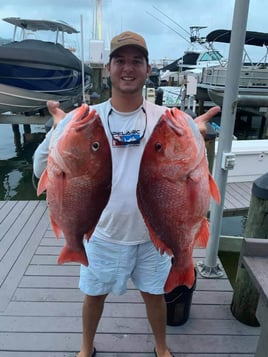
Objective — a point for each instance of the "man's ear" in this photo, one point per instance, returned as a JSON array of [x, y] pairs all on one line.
[[108, 67]]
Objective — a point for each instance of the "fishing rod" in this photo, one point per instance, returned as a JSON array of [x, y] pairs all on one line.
[[161, 12], [155, 17]]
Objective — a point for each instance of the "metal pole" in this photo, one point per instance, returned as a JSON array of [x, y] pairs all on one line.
[[82, 59], [225, 159]]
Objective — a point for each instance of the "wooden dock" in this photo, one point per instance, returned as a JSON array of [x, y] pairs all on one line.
[[40, 304], [237, 198]]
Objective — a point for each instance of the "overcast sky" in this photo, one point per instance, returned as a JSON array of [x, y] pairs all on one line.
[[164, 40]]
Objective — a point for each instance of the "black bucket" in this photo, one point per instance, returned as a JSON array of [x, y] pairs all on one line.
[[179, 303]]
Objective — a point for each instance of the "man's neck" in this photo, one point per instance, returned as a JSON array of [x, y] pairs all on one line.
[[126, 103]]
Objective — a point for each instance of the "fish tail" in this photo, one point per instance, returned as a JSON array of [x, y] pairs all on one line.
[[214, 190], [177, 278], [69, 255]]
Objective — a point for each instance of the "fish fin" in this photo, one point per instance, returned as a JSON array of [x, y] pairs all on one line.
[[55, 227], [158, 243], [69, 255], [203, 234], [42, 183], [180, 277], [89, 234], [214, 189]]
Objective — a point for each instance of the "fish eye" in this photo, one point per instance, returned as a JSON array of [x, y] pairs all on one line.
[[95, 146], [158, 146]]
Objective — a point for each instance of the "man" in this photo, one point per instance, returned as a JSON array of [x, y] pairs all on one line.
[[121, 238]]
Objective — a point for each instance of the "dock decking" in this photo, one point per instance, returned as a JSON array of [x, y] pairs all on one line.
[[237, 198], [40, 304]]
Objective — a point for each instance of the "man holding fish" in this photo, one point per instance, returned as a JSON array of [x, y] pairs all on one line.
[[118, 244]]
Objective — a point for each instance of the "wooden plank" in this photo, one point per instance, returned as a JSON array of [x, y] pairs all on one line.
[[5, 208], [128, 343], [122, 325], [72, 282], [113, 309], [14, 234], [53, 270], [257, 247], [231, 244], [111, 354], [237, 198], [257, 268], [241, 190], [74, 295], [16, 237], [9, 216], [22, 256]]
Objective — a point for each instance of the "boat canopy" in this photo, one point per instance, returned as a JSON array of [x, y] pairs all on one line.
[[39, 25], [252, 38]]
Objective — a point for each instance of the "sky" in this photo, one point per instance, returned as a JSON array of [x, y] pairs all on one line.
[[164, 24]]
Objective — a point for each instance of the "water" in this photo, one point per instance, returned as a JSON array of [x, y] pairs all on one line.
[[16, 174]]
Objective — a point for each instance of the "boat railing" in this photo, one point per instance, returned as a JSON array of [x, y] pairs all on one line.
[[249, 77]]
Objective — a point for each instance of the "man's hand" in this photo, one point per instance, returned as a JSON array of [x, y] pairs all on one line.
[[57, 113], [203, 119]]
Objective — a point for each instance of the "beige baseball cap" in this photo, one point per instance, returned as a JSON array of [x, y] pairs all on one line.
[[128, 38]]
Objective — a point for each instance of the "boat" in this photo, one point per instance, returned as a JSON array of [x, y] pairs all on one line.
[[253, 85], [33, 71], [198, 56]]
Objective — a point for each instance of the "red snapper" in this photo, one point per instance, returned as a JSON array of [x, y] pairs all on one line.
[[173, 192], [77, 181]]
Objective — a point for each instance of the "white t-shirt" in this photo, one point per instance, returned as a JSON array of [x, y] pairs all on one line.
[[121, 220]]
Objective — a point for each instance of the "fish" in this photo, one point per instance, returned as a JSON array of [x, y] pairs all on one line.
[[77, 181], [173, 192]]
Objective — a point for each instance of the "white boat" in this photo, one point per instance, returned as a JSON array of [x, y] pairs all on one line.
[[198, 56], [253, 85], [33, 71], [251, 160]]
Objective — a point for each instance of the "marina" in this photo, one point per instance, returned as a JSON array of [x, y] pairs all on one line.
[[40, 304]]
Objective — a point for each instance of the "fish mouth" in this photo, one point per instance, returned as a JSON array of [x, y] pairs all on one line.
[[173, 123], [82, 113], [84, 117]]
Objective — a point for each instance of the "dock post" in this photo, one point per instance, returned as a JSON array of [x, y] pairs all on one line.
[[210, 139], [245, 297]]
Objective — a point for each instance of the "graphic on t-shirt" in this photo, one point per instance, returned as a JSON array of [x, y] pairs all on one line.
[[130, 137]]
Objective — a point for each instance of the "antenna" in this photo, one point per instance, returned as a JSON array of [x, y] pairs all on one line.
[[162, 22], [161, 12]]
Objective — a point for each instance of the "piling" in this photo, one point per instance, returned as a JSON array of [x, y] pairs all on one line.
[[210, 139], [245, 297]]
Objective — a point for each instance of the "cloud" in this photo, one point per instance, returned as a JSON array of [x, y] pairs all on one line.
[[163, 36]]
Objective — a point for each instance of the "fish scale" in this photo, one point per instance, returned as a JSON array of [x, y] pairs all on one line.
[[173, 192], [77, 181]]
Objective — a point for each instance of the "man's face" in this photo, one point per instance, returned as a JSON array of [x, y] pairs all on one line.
[[128, 70]]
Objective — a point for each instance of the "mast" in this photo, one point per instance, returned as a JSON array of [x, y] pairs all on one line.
[[99, 28]]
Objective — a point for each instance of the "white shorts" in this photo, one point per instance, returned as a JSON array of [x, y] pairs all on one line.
[[112, 264]]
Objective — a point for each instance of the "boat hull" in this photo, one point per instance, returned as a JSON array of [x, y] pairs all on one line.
[[33, 72], [19, 100]]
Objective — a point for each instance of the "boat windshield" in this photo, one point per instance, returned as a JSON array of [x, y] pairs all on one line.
[[211, 56]]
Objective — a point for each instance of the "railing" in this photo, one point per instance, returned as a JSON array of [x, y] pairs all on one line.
[[249, 77]]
